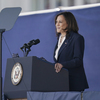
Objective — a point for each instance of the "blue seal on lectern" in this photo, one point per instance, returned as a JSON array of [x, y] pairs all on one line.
[[16, 73]]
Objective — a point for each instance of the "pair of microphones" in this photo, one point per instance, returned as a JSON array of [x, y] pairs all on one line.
[[29, 44]]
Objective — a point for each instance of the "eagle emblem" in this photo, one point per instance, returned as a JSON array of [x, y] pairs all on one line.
[[16, 74]]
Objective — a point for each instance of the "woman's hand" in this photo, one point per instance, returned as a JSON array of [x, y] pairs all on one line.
[[58, 67]]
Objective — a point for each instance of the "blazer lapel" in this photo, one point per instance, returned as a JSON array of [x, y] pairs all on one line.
[[55, 50], [65, 44]]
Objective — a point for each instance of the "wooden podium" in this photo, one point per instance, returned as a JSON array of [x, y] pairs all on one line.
[[38, 75]]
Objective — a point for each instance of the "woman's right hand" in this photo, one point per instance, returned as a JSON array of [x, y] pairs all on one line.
[[58, 67]]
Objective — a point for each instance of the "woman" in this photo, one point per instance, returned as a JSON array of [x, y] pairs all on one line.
[[69, 51]]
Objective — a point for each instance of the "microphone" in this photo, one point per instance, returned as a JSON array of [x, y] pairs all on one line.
[[28, 45], [33, 42]]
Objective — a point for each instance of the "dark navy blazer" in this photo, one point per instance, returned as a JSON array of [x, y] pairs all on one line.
[[70, 56]]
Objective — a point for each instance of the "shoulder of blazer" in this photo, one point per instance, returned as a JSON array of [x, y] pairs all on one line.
[[74, 35]]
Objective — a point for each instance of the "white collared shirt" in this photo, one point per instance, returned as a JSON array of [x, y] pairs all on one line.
[[59, 45]]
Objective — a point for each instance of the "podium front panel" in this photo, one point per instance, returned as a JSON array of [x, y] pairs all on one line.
[[45, 79]]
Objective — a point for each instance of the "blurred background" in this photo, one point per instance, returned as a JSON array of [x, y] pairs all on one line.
[[35, 5]]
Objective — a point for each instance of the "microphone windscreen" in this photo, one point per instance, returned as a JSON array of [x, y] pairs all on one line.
[[37, 41]]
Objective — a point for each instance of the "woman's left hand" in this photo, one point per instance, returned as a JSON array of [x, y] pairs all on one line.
[[58, 67]]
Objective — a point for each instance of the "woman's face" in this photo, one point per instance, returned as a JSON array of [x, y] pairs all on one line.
[[61, 24]]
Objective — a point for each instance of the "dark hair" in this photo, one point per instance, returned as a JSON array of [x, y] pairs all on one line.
[[70, 20]]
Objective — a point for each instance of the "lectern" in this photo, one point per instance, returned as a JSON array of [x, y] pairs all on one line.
[[37, 75]]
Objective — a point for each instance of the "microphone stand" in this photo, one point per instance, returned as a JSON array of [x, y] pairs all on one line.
[[26, 50]]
